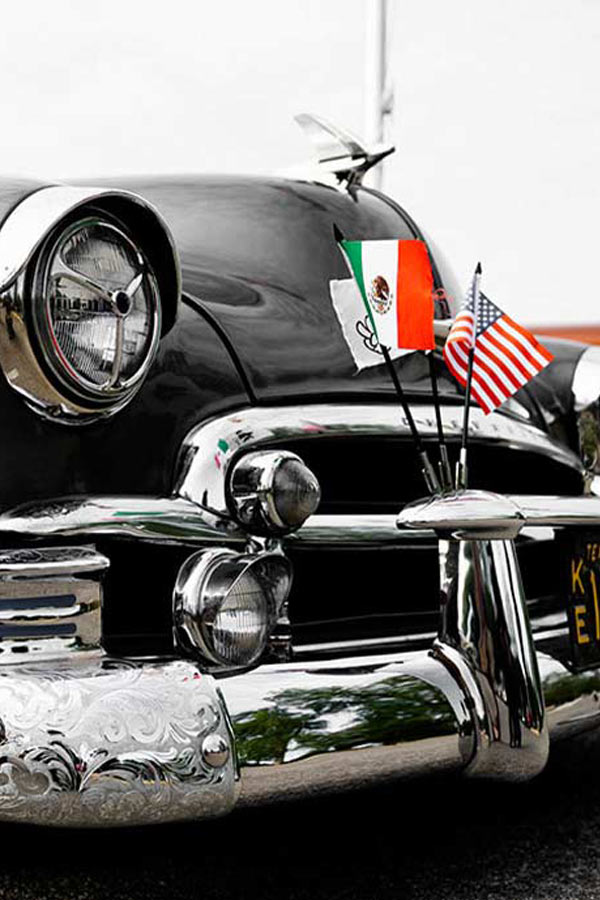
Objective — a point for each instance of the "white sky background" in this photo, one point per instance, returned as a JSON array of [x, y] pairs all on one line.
[[497, 114]]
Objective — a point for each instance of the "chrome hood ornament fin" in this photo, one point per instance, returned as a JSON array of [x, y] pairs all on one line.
[[340, 152]]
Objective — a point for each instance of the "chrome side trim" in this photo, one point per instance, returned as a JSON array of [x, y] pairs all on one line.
[[559, 511], [209, 449], [369, 529], [38, 562], [113, 742], [173, 519], [161, 520]]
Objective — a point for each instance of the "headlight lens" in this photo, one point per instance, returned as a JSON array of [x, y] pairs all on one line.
[[240, 625], [98, 323], [225, 604], [296, 492]]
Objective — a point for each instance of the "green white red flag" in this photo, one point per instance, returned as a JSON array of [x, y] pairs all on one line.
[[395, 282]]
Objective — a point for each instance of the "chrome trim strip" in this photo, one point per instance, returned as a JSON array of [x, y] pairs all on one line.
[[362, 644], [483, 514], [209, 449], [37, 562], [161, 520], [371, 529], [174, 519], [559, 511]]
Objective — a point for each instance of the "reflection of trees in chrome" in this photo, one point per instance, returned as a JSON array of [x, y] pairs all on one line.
[[303, 722], [564, 688]]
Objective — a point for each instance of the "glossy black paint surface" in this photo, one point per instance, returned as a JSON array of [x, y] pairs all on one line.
[[258, 255]]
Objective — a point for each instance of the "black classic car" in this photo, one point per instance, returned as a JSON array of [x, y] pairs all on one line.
[[219, 582]]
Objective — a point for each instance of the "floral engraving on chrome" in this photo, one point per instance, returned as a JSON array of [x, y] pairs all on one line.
[[110, 743]]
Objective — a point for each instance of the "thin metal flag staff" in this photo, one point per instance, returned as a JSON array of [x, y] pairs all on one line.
[[379, 262], [462, 472], [445, 469], [431, 480]]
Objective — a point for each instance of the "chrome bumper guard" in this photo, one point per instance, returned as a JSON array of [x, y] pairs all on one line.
[[88, 741]]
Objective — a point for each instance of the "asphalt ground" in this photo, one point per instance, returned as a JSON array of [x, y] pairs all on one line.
[[429, 839]]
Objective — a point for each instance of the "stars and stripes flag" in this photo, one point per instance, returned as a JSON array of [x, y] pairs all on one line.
[[505, 355]]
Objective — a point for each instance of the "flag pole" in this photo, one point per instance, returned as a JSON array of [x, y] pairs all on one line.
[[462, 472], [444, 464], [429, 475], [431, 479]]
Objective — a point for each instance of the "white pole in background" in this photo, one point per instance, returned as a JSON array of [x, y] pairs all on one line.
[[378, 91]]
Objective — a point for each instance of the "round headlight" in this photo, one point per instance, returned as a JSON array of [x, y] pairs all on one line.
[[226, 604], [95, 310], [272, 492]]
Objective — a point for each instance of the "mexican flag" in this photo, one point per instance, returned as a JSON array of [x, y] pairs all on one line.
[[396, 285]]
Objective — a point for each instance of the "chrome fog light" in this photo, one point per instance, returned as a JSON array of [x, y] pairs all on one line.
[[272, 492], [226, 603]]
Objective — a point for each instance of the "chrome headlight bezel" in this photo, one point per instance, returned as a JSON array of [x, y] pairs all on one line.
[[38, 298], [30, 359]]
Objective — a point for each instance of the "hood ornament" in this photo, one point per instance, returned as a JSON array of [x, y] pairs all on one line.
[[339, 152]]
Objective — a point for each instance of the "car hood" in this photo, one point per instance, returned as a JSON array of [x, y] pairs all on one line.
[[258, 256]]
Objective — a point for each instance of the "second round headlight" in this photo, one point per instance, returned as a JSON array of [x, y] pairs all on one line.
[[226, 603]]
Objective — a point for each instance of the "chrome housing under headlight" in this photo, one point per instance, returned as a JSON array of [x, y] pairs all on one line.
[[83, 311]]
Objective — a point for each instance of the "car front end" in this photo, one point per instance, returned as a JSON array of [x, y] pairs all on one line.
[[219, 583]]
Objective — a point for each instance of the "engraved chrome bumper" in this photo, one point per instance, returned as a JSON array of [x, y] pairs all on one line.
[[113, 742]]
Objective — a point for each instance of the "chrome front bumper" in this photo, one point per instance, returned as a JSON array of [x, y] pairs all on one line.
[[305, 728], [90, 741], [107, 743]]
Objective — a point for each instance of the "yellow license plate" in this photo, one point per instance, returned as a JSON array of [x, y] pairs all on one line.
[[583, 600]]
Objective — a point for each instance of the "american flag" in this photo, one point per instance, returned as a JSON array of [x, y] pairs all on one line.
[[505, 355]]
